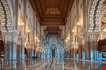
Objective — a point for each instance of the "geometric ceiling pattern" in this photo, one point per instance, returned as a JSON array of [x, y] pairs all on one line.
[[52, 13]]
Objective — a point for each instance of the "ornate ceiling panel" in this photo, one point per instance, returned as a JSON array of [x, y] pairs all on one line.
[[52, 12]]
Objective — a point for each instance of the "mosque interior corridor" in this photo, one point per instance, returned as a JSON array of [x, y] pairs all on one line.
[[52, 34]]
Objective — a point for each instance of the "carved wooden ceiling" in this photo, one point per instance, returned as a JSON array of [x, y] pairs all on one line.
[[52, 12]]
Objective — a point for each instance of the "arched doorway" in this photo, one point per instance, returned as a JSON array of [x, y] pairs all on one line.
[[53, 50]]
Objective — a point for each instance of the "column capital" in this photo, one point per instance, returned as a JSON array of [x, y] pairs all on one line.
[[11, 36]]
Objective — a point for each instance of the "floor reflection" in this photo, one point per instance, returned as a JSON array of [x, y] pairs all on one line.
[[83, 65], [68, 64]]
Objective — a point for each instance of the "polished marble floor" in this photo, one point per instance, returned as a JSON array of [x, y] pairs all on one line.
[[69, 64]]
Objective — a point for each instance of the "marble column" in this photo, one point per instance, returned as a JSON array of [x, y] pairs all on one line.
[[20, 50], [10, 47]]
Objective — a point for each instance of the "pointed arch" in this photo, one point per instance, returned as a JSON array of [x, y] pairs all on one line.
[[94, 16], [5, 14]]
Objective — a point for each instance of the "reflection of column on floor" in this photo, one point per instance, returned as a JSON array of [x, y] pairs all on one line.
[[81, 51], [33, 53], [59, 55], [72, 53], [29, 52], [93, 45], [87, 49], [93, 50], [49, 55], [10, 47], [20, 50]]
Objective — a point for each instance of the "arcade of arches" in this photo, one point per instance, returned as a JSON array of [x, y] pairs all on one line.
[[52, 34]]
